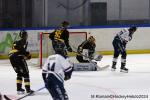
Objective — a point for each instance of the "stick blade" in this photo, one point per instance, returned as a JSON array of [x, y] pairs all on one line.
[[10, 97], [102, 68]]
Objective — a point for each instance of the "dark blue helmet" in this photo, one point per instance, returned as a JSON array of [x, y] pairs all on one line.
[[60, 48], [133, 28]]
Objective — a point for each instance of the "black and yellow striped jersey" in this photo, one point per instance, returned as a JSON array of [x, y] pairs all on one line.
[[87, 45], [60, 34], [19, 48]]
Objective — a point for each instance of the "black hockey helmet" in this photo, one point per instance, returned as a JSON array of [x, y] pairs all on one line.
[[23, 33], [65, 23], [60, 48]]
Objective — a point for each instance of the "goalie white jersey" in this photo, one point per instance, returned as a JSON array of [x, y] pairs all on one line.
[[124, 35], [57, 65]]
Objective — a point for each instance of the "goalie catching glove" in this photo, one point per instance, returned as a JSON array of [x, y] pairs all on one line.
[[98, 57]]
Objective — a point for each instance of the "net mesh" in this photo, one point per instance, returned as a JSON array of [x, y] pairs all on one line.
[[46, 49]]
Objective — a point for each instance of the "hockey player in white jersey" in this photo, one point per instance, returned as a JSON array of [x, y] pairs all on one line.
[[56, 69], [119, 44]]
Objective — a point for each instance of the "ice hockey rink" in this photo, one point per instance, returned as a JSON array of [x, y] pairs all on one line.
[[90, 85]]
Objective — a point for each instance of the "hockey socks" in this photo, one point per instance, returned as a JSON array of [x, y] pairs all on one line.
[[27, 85], [19, 86]]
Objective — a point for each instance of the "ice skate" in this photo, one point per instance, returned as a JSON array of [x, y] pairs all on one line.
[[30, 91], [125, 70], [20, 91], [113, 68]]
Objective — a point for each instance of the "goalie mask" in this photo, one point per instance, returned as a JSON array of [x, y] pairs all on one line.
[[91, 39]]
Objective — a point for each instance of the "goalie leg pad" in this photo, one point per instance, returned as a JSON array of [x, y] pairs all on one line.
[[84, 67]]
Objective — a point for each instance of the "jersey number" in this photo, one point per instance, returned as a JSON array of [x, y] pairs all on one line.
[[51, 67], [58, 34]]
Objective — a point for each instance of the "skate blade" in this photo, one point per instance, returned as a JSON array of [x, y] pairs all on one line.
[[112, 69], [30, 94], [20, 92], [124, 71], [102, 68]]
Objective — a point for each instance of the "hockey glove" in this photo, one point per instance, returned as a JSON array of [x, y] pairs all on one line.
[[66, 78], [28, 57], [69, 49], [80, 49], [68, 73]]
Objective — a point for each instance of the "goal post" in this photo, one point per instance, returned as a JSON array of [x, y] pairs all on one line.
[[46, 49]]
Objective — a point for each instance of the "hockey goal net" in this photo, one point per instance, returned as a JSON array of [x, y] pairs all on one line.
[[46, 49]]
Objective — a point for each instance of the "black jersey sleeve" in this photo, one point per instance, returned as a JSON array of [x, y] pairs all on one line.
[[65, 36], [21, 47], [51, 35]]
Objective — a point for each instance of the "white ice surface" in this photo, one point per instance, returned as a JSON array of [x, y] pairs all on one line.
[[84, 85]]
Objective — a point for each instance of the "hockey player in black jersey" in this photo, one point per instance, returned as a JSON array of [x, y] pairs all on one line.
[[119, 44], [86, 56], [87, 48], [61, 35], [18, 56]]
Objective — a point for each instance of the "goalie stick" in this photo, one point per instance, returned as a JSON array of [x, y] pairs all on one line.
[[82, 55], [90, 60], [102, 68], [75, 51], [7, 98]]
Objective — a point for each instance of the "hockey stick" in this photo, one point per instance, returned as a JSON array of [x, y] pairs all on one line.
[[7, 98], [103, 68], [90, 58]]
